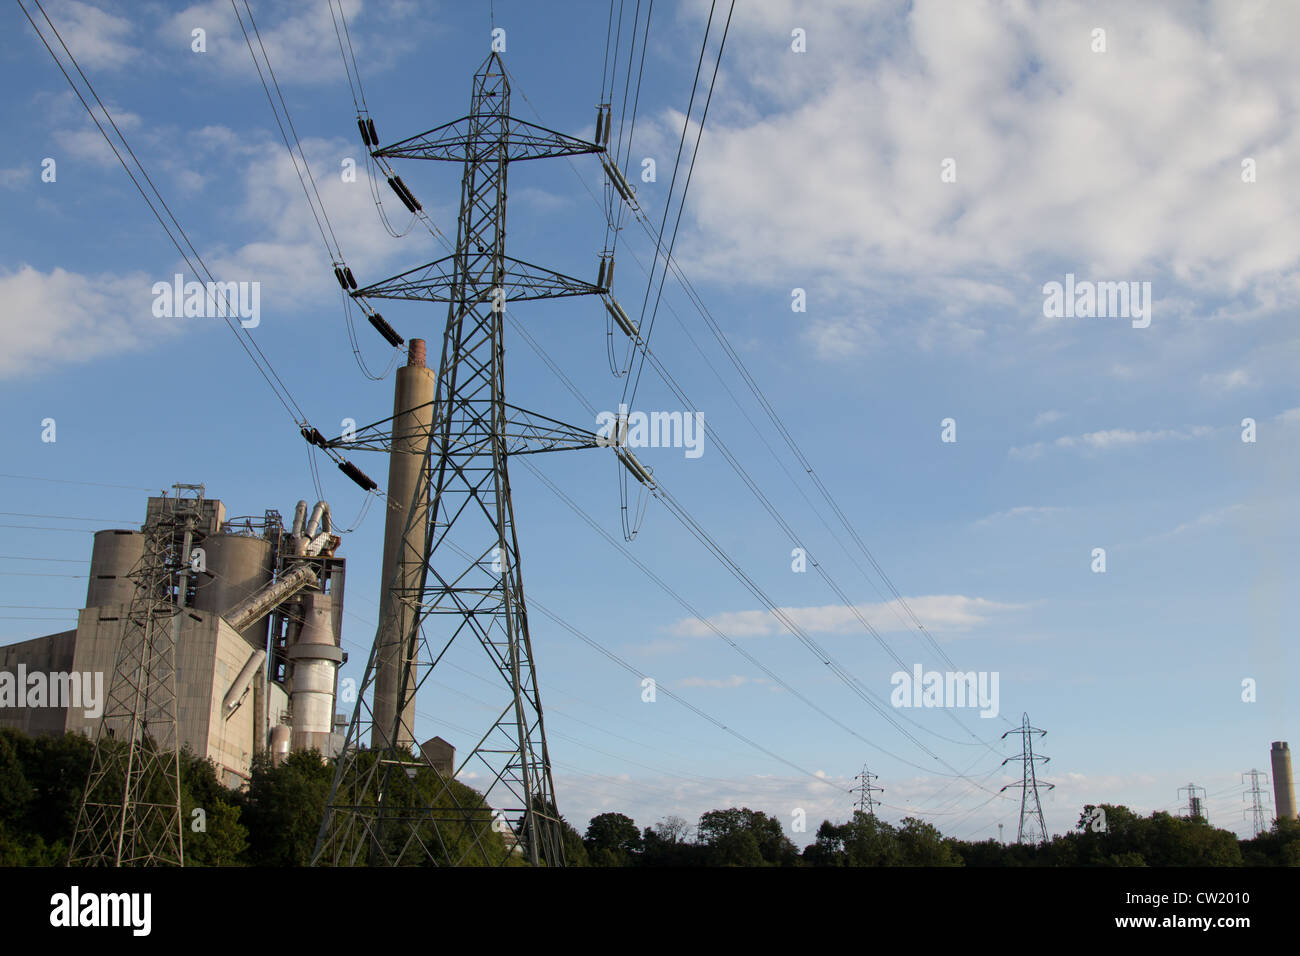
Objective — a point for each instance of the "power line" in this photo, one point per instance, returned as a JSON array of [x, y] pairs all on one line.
[[729, 350], [37, 527], [682, 204], [24, 557], [246, 340], [24, 514], [69, 481], [690, 609]]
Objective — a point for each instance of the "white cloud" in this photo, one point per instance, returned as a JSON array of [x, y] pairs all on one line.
[[300, 39], [1208, 520], [938, 612], [1227, 381], [97, 38], [1020, 511], [735, 680], [85, 141], [290, 258], [85, 317], [61, 318], [1047, 418], [824, 168], [1111, 438]]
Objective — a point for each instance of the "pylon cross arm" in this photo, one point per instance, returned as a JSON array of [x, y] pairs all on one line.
[[453, 142], [525, 433], [518, 281]]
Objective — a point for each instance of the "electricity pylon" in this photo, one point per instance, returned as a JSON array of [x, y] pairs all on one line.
[[1031, 809], [130, 813], [864, 790], [1195, 804], [1256, 793], [389, 805]]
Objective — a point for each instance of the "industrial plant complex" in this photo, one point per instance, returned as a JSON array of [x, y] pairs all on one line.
[[257, 632]]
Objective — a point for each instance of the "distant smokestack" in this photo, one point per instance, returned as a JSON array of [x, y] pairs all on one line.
[[405, 533], [1283, 784], [415, 353]]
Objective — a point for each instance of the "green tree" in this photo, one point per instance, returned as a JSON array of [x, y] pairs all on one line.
[[284, 806], [921, 844], [611, 839], [718, 828]]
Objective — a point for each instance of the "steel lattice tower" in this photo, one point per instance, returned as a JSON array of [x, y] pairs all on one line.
[[458, 571], [1195, 804], [864, 790], [1259, 820], [1031, 809], [130, 812]]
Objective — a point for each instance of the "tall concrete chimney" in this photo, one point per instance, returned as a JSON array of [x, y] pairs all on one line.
[[1283, 784], [405, 534]]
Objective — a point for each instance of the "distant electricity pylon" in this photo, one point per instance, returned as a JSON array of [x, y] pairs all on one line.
[[1195, 804], [1256, 793], [130, 813], [864, 790], [1031, 809], [455, 571]]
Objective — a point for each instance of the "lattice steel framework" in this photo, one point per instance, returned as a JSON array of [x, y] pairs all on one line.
[[1257, 794], [388, 804], [865, 790], [1031, 808], [130, 812]]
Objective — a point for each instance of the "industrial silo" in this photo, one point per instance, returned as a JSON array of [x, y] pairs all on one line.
[[237, 565], [116, 554]]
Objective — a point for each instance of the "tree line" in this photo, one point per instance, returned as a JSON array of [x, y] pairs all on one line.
[[275, 819]]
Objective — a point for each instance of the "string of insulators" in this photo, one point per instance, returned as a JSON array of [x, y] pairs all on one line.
[[368, 134], [313, 437], [606, 277], [603, 124], [620, 182], [347, 281], [405, 195], [357, 475], [620, 317], [386, 330], [639, 471]]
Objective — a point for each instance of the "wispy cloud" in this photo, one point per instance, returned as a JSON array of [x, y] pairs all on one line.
[[735, 680], [1112, 438], [1046, 418], [1020, 511], [1227, 381], [938, 612], [1208, 520]]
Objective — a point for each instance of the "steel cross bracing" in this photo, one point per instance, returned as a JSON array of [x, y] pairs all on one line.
[[130, 813], [389, 804]]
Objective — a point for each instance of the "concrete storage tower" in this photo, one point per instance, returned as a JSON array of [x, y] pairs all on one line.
[[115, 555], [238, 565], [1283, 784]]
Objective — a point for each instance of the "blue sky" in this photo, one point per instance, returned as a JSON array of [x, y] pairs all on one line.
[[818, 171]]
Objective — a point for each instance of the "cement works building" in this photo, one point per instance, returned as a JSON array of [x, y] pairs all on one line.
[[259, 613]]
